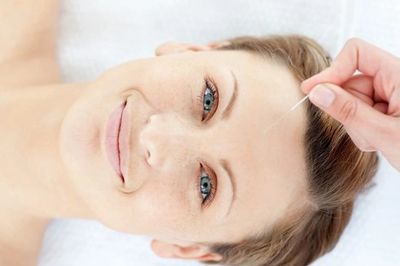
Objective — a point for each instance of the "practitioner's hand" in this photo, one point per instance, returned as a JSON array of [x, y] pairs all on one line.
[[367, 104]]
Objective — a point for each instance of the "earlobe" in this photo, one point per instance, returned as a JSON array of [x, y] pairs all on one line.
[[177, 47], [194, 252]]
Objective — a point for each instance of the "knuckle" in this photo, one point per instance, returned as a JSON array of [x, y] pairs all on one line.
[[347, 112]]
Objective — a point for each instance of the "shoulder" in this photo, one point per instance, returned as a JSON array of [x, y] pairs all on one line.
[[29, 70], [28, 36], [15, 257]]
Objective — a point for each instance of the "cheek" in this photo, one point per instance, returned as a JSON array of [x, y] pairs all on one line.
[[173, 97], [160, 210], [168, 87]]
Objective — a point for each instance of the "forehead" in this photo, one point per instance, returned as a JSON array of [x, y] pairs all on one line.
[[269, 161]]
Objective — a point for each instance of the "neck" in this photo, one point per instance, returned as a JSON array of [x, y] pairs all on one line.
[[34, 186]]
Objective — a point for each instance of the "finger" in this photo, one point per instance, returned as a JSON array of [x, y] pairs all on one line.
[[355, 55], [363, 87], [370, 127], [359, 141], [394, 104], [381, 107], [360, 86]]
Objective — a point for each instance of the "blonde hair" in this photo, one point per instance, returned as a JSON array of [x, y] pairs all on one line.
[[337, 171]]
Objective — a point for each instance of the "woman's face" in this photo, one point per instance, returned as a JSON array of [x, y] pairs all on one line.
[[251, 174]]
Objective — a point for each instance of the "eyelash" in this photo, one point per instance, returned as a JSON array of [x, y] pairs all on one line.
[[208, 84], [210, 197]]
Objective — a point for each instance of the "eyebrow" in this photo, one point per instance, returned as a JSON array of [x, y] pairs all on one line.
[[225, 164], [228, 170], [228, 110]]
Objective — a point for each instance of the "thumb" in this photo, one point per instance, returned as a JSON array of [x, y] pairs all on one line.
[[366, 126]]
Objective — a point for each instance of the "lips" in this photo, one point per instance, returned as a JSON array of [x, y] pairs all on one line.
[[124, 136], [112, 139]]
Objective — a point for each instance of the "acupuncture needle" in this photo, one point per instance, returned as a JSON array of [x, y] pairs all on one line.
[[279, 119]]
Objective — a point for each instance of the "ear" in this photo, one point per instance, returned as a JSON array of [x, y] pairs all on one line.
[[178, 47], [195, 251]]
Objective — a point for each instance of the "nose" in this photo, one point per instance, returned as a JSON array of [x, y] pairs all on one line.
[[168, 138]]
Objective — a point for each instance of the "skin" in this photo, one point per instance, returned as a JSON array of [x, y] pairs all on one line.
[[54, 159], [367, 104]]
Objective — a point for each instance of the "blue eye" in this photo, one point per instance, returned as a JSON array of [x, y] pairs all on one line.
[[208, 99], [207, 187]]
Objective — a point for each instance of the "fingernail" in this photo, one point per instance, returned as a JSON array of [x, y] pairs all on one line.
[[322, 96]]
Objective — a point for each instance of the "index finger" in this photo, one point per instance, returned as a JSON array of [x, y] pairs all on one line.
[[356, 54]]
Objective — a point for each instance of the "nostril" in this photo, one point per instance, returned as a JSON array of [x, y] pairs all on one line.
[[151, 117], [147, 156]]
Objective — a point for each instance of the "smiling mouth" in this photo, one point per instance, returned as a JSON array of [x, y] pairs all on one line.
[[119, 143], [112, 140]]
